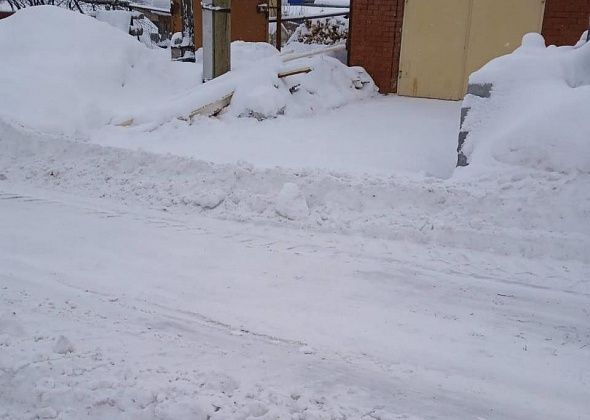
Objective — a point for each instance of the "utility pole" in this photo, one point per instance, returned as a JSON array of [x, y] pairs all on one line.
[[216, 38]]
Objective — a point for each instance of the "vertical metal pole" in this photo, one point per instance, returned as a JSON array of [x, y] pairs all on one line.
[[588, 34], [278, 33], [216, 38], [187, 45]]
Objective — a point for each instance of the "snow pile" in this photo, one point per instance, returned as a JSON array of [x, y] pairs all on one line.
[[120, 19], [329, 85], [536, 214], [146, 31], [74, 74], [259, 92], [537, 115], [321, 31], [291, 202]]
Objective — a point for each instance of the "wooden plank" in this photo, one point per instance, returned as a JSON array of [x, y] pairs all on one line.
[[293, 72], [210, 109]]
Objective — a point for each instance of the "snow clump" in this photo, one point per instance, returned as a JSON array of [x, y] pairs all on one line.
[[63, 345], [291, 202]]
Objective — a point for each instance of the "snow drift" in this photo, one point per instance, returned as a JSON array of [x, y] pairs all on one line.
[[74, 73], [259, 92], [537, 115]]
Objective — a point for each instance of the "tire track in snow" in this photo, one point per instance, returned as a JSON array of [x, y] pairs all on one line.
[[293, 245], [297, 245], [167, 316], [166, 311]]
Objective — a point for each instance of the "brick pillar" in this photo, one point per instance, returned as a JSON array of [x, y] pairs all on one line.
[[375, 39], [565, 21]]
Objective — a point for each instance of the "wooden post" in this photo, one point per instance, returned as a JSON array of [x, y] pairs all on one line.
[[279, 32], [216, 38]]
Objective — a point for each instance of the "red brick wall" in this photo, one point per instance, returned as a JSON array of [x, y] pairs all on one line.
[[375, 39], [565, 20]]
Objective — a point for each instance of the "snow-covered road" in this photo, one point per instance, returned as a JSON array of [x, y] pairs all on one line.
[[176, 316], [309, 253]]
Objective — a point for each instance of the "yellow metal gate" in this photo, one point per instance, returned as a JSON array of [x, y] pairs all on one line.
[[443, 42]]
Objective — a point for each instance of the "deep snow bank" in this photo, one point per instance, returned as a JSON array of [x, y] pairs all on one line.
[[537, 116], [259, 92], [534, 215], [73, 73]]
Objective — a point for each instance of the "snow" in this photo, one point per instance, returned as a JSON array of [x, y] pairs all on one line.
[[160, 5], [528, 213], [118, 79], [80, 72], [63, 345], [258, 92], [175, 313], [123, 80], [336, 3], [326, 262], [291, 202], [303, 11], [342, 140], [316, 32], [5, 6], [120, 19], [547, 87]]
